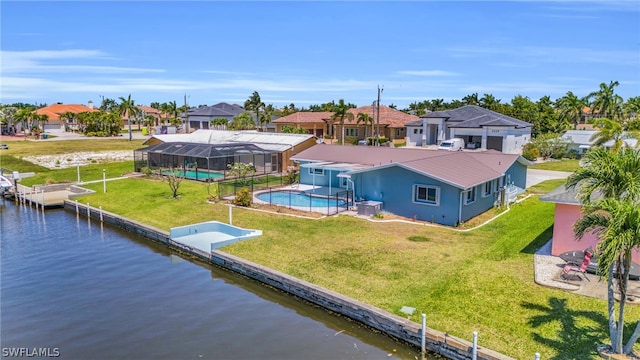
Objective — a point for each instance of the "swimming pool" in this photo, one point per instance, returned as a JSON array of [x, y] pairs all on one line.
[[299, 199], [197, 175]]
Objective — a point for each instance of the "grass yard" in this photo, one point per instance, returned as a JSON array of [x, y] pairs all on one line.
[[481, 280], [569, 165]]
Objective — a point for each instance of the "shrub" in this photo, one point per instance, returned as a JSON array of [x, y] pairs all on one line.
[[243, 198], [351, 140], [530, 152], [290, 177], [146, 171]]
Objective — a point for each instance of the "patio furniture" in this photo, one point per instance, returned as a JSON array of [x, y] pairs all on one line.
[[578, 269]]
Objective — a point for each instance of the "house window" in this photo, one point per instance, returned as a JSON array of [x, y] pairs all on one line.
[[397, 132], [316, 171], [415, 131], [471, 196], [352, 132], [486, 188], [496, 185], [427, 195]]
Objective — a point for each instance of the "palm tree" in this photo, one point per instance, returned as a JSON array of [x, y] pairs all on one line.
[[471, 99], [340, 112], [242, 121], [365, 119], [613, 130], [571, 107], [254, 103], [128, 108], [488, 101], [615, 178], [617, 222], [606, 102]]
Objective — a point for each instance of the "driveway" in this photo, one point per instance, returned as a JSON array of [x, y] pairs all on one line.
[[535, 176]]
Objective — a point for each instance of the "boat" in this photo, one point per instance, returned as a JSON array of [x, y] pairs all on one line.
[[5, 184], [577, 256]]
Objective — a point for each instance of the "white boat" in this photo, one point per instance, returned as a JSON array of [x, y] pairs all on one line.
[[5, 184]]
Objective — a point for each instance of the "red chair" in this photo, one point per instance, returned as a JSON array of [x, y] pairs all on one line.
[[581, 269]]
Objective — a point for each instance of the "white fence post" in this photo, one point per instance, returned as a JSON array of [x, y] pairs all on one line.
[[537, 356], [423, 336], [474, 351]]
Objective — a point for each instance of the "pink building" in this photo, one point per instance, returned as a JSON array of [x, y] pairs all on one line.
[[567, 212]]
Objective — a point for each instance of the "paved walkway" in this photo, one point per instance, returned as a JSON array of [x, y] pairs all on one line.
[[535, 176], [548, 270]]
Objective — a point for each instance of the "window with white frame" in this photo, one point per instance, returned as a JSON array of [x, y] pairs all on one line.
[[316, 171], [426, 194], [487, 188], [352, 132], [496, 185], [471, 196]]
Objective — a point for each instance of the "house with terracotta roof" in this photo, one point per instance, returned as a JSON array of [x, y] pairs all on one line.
[[390, 123], [442, 187], [480, 128], [55, 122]]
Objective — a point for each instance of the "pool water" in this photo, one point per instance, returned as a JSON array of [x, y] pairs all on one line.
[[297, 198], [198, 175]]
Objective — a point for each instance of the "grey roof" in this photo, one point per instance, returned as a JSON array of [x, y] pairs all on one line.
[[459, 168], [584, 137], [472, 116], [562, 195], [220, 109]]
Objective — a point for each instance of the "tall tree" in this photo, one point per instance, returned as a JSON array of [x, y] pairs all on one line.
[[254, 103], [606, 102], [471, 99], [340, 112], [242, 121], [365, 119], [571, 108], [129, 109], [609, 188], [489, 101]]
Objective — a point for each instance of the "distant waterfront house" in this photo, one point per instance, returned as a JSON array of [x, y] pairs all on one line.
[[281, 146], [579, 141], [55, 122], [391, 123], [567, 212], [201, 117], [437, 186], [480, 128]]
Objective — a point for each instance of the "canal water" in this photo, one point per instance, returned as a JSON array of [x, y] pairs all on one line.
[[92, 291]]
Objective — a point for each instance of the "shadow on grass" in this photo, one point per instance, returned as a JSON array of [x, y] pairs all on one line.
[[576, 339], [539, 241]]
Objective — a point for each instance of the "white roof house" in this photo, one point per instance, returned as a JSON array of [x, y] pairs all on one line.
[[580, 140]]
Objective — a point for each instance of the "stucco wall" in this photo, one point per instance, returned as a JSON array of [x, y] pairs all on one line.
[[564, 237]]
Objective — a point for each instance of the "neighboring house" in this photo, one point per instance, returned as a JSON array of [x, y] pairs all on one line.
[[567, 212], [579, 141], [201, 117], [437, 186], [316, 123], [480, 128], [284, 145], [390, 124], [55, 122]]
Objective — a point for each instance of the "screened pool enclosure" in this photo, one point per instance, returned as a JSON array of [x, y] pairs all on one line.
[[205, 162]]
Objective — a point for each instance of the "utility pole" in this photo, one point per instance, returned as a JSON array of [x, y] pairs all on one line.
[[186, 114], [378, 117]]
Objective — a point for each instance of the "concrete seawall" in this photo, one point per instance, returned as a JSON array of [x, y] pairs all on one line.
[[394, 326]]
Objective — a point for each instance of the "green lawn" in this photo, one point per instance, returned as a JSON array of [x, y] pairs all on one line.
[[480, 280], [558, 165]]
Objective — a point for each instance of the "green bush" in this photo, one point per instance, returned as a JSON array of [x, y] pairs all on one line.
[[353, 140], [243, 198], [290, 177], [372, 140], [530, 152]]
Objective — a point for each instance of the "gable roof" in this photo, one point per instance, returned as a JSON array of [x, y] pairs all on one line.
[[266, 140], [220, 109], [388, 117], [458, 168], [54, 111], [473, 116], [302, 117]]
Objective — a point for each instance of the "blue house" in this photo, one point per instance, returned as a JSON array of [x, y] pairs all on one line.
[[444, 187]]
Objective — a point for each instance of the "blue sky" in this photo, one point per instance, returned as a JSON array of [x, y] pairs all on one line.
[[314, 52]]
